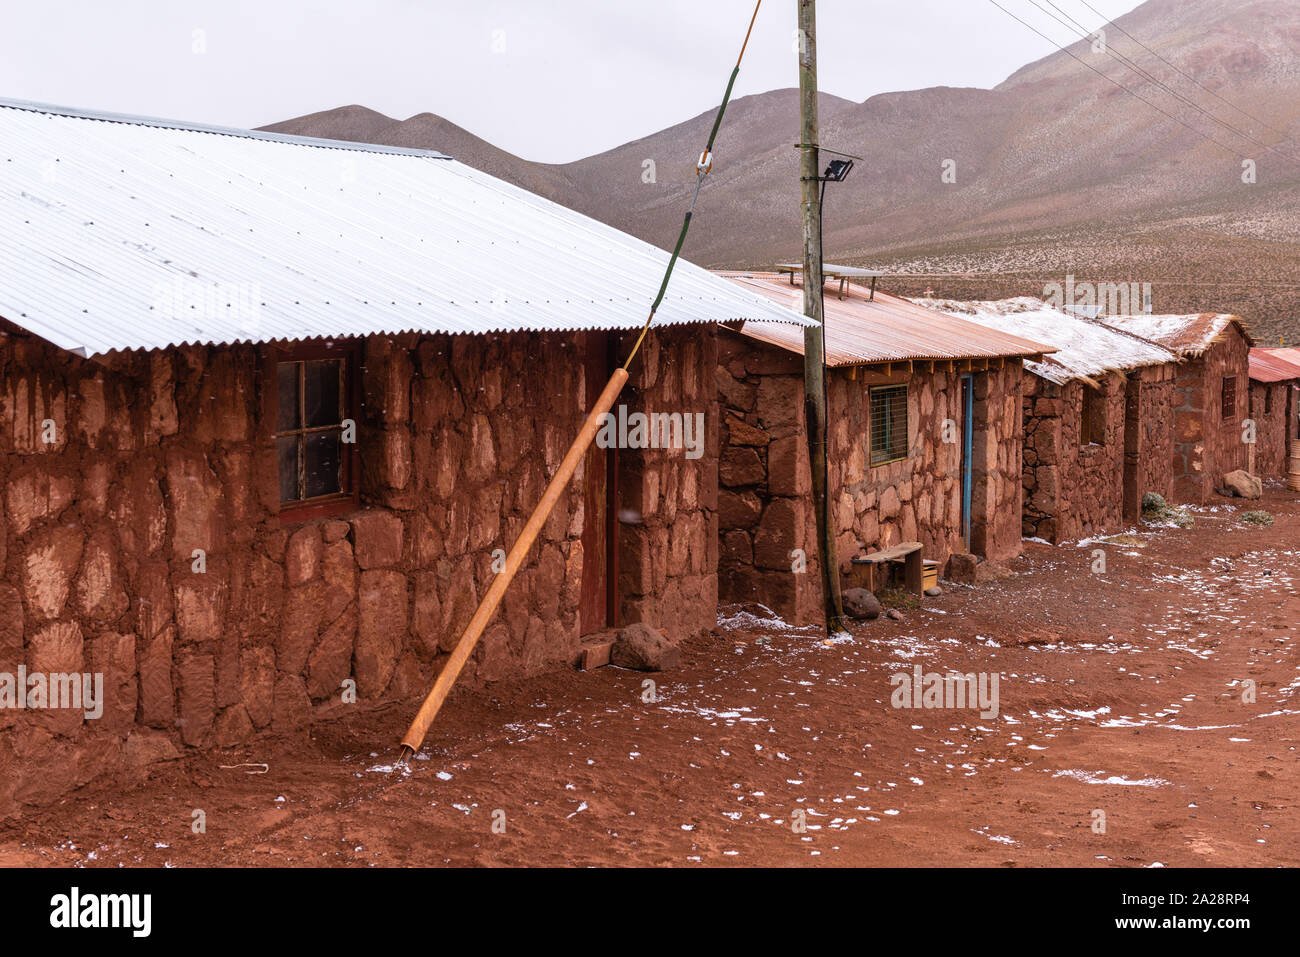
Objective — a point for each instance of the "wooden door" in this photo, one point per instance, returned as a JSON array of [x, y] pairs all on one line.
[[598, 607]]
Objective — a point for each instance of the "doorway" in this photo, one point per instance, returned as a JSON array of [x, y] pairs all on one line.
[[598, 607], [1132, 446], [967, 452]]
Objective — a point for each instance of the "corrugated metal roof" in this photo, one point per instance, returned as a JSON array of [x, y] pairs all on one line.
[[860, 331], [1084, 347], [121, 233], [1274, 365], [1187, 335]]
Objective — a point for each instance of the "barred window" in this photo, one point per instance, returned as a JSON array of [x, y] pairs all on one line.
[[889, 439], [1229, 411]]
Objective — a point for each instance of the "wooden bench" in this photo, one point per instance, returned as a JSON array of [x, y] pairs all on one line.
[[867, 568]]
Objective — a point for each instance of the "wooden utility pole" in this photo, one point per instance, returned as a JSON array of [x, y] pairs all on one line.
[[814, 337]]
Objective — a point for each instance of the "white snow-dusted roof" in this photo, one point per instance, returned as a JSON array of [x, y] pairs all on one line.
[[1085, 347], [122, 233], [1186, 335]]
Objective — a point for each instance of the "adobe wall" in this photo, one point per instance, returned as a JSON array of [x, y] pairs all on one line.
[[1155, 463], [1206, 445], [765, 501], [1275, 429], [158, 455], [1071, 490]]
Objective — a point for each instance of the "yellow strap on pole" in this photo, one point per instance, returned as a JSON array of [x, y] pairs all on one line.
[[474, 630]]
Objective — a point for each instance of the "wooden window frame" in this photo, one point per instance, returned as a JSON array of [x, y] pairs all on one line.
[[1229, 381], [871, 425], [326, 506]]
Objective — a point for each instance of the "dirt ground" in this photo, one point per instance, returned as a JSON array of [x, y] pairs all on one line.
[[1120, 692]]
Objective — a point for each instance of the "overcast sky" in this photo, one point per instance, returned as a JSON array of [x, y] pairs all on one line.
[[550, 80]]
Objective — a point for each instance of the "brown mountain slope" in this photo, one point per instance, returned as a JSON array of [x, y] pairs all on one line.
[[1058, 170]]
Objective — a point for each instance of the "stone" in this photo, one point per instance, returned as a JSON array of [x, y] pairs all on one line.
[[861, 604], [787, 467], [257, 684], [962, 569], [302, 556], [934, 592], [148, 747], [292, 706], [1241, 484], [378, 539], [195, 500], [740, 465], [100, 592], [894, 614], [738, 510], [197, 697], [641, 648], [331, 661], [381, 630], [233, 727], [157, 708], [742, 433], [51, 562]]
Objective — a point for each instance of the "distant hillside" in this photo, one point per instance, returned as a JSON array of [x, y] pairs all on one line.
[[1058, 171]]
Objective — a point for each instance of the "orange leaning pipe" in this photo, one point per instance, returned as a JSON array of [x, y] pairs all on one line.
[[474, 630]]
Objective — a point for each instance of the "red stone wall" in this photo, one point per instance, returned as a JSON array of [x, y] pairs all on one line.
[[764, 497], [1206, 446], [1072, 490], [161, 454], [1275, 430], [1155, 416]]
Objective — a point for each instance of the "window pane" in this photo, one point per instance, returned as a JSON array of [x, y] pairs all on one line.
[[287, 450], [323, 459], [287, 420], [321, 401]]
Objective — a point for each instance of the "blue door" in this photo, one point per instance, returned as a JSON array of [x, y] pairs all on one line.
[[967, 448]]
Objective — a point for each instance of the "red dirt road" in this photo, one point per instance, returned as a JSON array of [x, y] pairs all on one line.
[[1119, 693]]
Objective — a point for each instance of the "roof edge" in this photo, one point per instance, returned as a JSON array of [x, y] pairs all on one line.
[[165, 124]]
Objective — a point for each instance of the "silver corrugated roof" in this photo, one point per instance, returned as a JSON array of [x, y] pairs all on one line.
[[126, 233]]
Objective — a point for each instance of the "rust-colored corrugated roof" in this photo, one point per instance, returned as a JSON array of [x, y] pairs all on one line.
[[1274, 365], [1188, 336], [860, 331]]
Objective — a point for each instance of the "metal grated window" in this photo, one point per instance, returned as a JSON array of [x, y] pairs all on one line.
[[888, 423]]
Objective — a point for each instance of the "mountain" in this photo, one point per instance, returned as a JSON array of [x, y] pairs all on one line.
[[1060, 169]]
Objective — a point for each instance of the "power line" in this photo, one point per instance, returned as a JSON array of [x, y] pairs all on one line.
[[1184, 75], [1116, 55], [1203, 135]]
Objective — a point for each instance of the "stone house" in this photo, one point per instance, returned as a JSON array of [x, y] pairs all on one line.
[[1211, 395], [1275, 409], [1097, 419], [271, 409], [924, 443]]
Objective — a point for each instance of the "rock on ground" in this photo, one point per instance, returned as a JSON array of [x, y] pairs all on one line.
[[860, 603], [641, 648], [1241, 484]]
